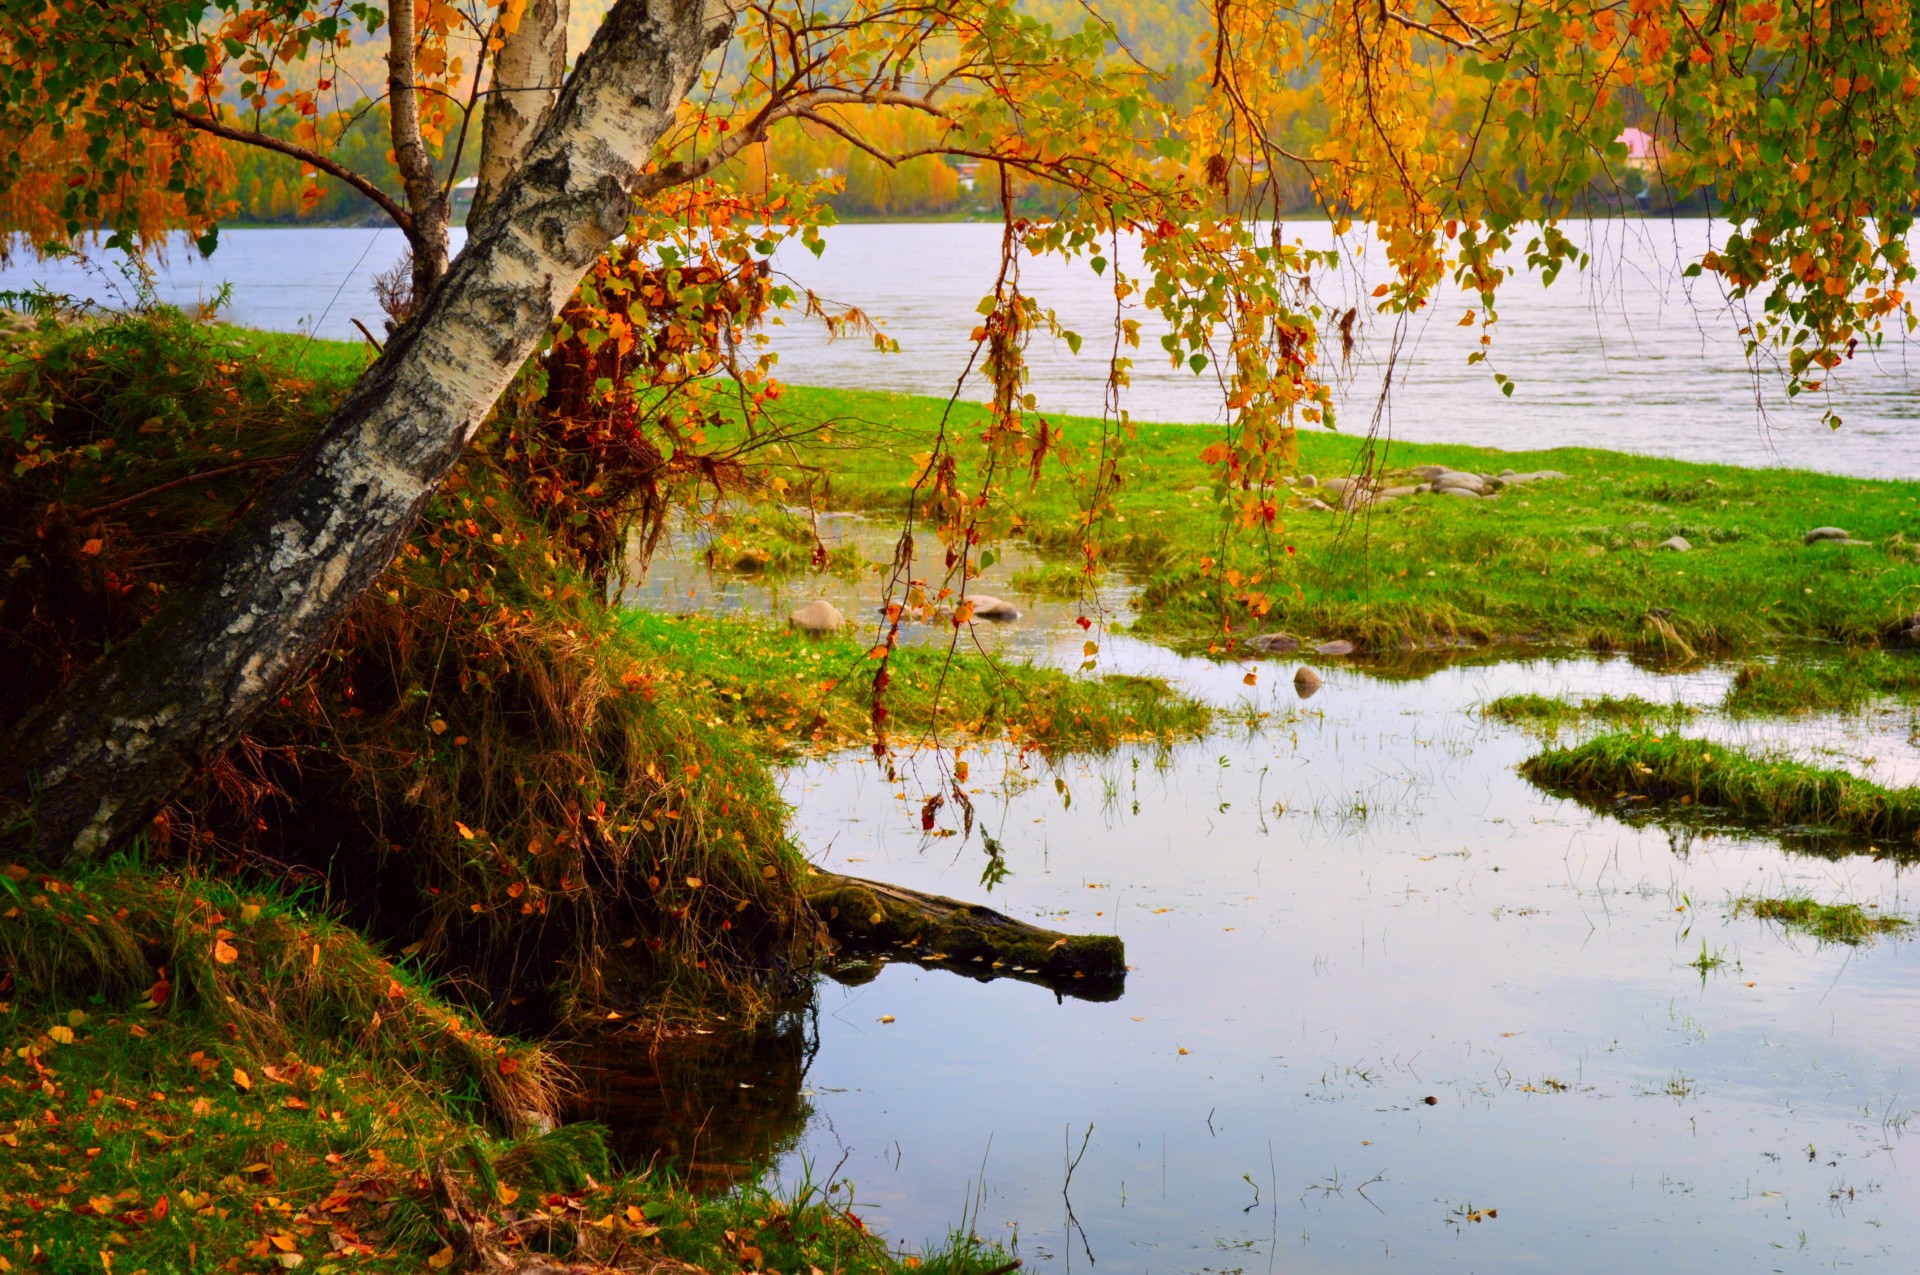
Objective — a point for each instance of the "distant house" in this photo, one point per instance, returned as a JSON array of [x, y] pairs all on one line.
[[1643, 157], [463, 196], [1643, 150]]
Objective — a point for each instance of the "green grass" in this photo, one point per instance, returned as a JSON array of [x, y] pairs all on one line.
[[333, 364], [1549, 713], [1828, 922], [1844, 682], [1628, 771], [791, 690], [1570, 562]]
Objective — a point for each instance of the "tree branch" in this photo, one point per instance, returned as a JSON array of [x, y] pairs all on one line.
[[313, 159]]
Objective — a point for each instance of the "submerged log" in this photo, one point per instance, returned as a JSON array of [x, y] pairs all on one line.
[[874, 920]]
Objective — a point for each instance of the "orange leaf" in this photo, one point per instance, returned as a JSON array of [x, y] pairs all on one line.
[[242, 1079], [224, 952]]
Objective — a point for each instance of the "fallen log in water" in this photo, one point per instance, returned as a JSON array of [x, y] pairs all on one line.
[[875, 920]]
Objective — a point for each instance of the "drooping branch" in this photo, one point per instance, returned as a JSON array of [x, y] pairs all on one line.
[[89, 768], [312, 158]]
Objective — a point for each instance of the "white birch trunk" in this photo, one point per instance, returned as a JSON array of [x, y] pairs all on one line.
[[526, 80]]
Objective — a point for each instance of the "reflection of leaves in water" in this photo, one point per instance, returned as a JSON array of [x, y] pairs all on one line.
[[720, 1106], [996, 870]]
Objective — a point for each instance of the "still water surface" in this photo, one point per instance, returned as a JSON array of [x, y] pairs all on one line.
[[1627, 354], [1333, 915]]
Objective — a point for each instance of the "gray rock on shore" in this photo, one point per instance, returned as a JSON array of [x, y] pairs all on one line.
[[1339, 646], [1819, 534], [988, 607], [1676, 543], [1273, 643], [818, 616]]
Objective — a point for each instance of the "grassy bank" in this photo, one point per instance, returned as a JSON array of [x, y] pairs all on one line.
[[792, 690], [199, 1078], [1573, 561], [1630, 772]]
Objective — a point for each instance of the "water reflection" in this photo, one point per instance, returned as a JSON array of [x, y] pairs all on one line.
[[720, 1106]]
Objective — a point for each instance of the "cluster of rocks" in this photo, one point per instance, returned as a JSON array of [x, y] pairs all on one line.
[[1354, 493], [821, 616]]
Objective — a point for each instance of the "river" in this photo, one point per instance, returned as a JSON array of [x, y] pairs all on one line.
[[1627, 354]]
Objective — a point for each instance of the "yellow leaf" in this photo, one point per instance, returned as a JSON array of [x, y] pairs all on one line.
[[441, 1260], [694, 882], [282, 1241], [60, 1033], [76, 1018], [242, 1079], [102, 1204], [249, 913], [439, 727], [224, 952], [465, 832], [886, 1018], [1183, 1050]]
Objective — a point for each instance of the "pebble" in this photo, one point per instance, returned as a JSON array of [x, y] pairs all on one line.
[[988, 607], [1826, 533], [1308, 480], [1305, 682], [1339, 646], [1311, 503], [1676, 543], [1273, 643], [1458, 491], [818, 616]]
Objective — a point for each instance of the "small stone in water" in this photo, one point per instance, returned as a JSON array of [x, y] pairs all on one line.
[[1305, 683]]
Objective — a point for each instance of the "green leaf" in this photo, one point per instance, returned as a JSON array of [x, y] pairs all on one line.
[[1072, 339]]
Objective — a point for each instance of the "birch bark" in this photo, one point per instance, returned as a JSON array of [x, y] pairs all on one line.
[[93, 765], [526, 78]]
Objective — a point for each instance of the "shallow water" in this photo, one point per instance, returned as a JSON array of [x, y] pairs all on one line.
[[1627, 355], [1350, 908]]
